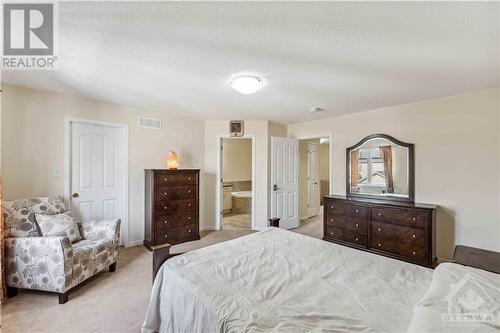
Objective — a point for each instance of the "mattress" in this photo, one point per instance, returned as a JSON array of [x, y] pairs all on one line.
[[281, 281]]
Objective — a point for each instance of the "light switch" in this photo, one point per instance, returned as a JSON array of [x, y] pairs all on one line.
[[56, 172]]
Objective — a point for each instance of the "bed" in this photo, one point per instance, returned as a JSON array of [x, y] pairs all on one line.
[[281, 281]]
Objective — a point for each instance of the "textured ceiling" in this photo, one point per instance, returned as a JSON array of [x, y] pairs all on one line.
[[343, 57]]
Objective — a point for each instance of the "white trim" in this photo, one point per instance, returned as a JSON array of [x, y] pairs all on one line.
[[134, 243], [126, 156], [330, 160], [218, 187]]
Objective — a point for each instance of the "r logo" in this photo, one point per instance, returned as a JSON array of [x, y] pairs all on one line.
[[28, 29]]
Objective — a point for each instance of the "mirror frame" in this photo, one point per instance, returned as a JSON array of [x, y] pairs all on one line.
[[411, 170]]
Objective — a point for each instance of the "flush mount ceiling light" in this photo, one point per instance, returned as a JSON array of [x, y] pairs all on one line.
[[246, 84]]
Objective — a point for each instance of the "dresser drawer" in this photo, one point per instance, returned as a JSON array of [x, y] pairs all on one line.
[[167, 178], [176, 220], [175, 193], [411, 252], [174, 206], [177, 234], [407, 217], [341, 208], [347, 223], [399, 233], [346, 236]]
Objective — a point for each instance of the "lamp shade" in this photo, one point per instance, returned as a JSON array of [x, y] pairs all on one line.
[[172, 162]]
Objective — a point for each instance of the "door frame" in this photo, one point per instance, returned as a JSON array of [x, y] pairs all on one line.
[[330, 156], [308, 180], [68, 122], [218, 187]]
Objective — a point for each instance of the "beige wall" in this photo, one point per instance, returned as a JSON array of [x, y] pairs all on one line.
[[33, 144], [456, 159], [324, 162], [237, 160]]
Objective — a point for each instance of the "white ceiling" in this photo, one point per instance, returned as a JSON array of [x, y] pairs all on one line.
[[341, 56]]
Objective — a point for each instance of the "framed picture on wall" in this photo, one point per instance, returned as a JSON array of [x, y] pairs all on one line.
[[236, 128]]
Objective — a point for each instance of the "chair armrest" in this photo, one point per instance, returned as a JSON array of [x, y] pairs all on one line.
[[102, 229], [43, 263]]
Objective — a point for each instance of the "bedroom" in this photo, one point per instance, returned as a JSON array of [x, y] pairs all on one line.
[[154, 85]]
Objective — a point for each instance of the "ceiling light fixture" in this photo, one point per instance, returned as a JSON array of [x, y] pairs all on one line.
[[246, 84]]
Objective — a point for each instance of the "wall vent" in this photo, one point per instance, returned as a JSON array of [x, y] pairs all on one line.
[[149, 123]]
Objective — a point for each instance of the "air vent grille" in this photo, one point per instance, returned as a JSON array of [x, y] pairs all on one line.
[[149, 123]]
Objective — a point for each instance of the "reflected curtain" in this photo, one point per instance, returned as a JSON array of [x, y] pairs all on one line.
[[354, 167], [386, 155]]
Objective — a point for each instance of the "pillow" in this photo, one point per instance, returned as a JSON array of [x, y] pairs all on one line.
[[58, 225]]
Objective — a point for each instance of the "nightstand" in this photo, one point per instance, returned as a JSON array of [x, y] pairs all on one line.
[[478, 258]]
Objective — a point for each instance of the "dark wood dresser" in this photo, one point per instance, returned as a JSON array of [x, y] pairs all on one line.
[[172, 206], [400, 230]]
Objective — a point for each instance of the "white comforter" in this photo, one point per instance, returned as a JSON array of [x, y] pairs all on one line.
[[276, 280]]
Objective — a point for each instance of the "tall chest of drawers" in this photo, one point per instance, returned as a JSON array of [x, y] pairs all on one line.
[[172, 206], [399, 230]]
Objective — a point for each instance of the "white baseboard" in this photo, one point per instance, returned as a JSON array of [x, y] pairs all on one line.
[[208, 227], [134, 243]]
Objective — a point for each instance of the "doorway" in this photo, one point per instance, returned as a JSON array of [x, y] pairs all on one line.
[[236, 204], [96, 171], [314, 177]]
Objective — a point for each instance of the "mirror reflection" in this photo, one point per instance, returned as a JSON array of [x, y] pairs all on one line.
[[379, 167]]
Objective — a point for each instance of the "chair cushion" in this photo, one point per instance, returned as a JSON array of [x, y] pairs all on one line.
[[19, 215], [58, 225], [90, 257]]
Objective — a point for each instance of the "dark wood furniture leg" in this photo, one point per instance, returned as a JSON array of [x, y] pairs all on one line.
[[112, 267], [63, 297], [11, 292], [274, 222]]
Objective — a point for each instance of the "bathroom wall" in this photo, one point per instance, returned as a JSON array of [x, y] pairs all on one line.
[[237, 160]]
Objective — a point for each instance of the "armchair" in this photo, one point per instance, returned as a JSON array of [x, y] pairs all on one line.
[[53, 263]]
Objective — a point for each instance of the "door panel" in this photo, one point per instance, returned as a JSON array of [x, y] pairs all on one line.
[[284, 178], [97, 172], [313, 181]]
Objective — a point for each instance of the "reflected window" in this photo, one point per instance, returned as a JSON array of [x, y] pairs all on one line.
[[371, 167]]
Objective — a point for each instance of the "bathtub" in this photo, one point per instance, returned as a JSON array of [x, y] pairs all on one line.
[[241, 194]]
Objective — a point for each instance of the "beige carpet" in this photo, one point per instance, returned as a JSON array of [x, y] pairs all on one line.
[[110, 302]]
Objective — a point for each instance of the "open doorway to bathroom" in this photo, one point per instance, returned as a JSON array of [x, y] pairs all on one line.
[[236, 181], [314, 182]]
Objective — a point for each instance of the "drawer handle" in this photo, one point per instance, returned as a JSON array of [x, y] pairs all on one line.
[[331, 233], [165, 193], [379, 245], [165, 179], [189, 217], [379, 214], [331, 220], [166, 222], [379, 229], [414, 219], [189, 178], [357, 239], [189, 191], [165, 207], [166, 236], [414, 252], [189, 205], [331, 207], [357, 210], [189, 230], [413, 236], [357, 225]]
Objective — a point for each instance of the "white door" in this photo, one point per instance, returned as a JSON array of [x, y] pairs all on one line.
[[285, 181], [97, 172], [312, 179]]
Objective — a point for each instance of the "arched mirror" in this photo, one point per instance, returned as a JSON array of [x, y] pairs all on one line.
[[381, 167]]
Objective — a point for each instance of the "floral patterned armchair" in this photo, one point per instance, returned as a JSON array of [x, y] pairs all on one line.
[[54, 263]]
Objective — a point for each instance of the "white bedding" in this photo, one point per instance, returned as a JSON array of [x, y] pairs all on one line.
[[459, 299], [276, 280]]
